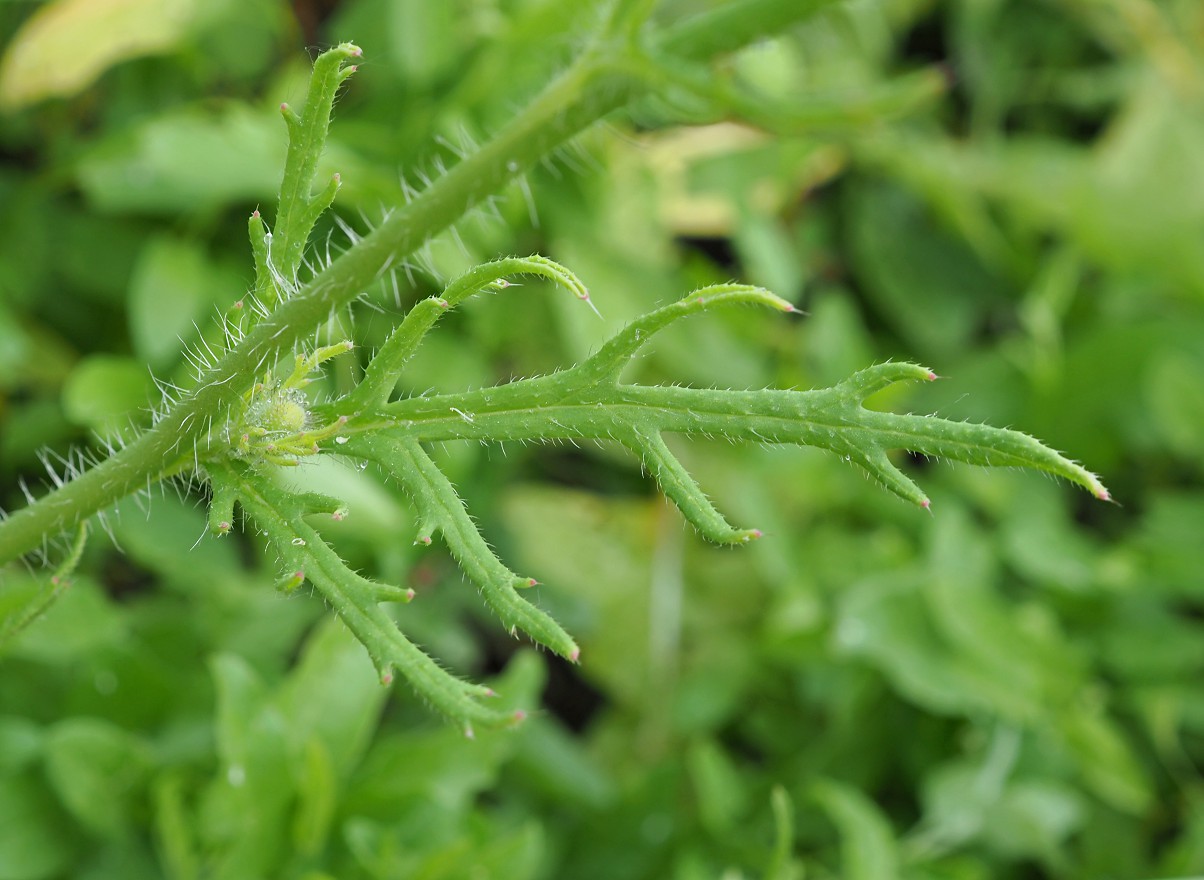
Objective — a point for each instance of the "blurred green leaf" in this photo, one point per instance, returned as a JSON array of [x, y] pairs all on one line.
[[868, 850], [187, 160], [243, 813], [1175, 387], [98, 771], [332, 698], [67, 44], [107, 393], [20, 743], [34, 840], [553, 761], [1105, 758], [1034, 819], [82, 621], [317, 795], [717, 787], [931, 287], [174, 288], [173, 831]]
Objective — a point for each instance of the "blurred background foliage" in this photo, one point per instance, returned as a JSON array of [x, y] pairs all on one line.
[[1009, 688]]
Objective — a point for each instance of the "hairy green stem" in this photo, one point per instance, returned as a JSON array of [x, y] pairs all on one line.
[[596, 85]]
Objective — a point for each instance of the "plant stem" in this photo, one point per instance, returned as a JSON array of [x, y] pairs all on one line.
[[599, 83]]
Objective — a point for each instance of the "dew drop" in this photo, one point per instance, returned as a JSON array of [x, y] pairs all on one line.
[[341, 440], [298, 542]]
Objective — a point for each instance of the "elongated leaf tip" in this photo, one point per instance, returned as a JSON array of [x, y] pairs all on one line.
[[931, 376], [575, 655], [490, 692], [386, 677], [424, 540], [410, 594], [926, 504]]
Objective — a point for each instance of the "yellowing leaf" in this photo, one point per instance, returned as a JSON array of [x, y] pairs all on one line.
[[66, 45]]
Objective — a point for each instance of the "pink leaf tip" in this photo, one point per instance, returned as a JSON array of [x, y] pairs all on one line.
[[386, 677], [575, 655], [519, 715], [490, 692], [531, 582], [410, 594], [926, 504], [1103, 494], [931, 376]]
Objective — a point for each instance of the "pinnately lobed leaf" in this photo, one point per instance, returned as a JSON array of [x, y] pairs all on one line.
[[250, 415]]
